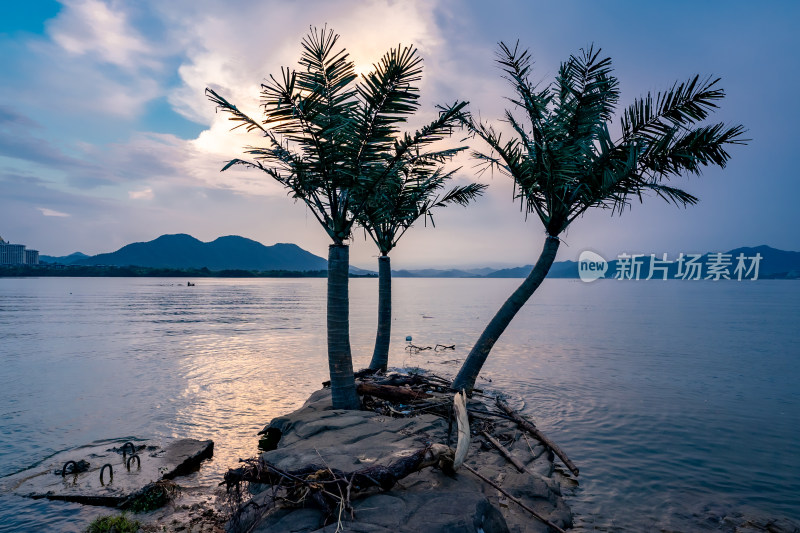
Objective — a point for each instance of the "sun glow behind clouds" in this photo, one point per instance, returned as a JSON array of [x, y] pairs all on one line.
[[120, 57], [366, 33]]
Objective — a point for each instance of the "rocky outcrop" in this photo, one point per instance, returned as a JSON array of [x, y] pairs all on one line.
[[427, 500]]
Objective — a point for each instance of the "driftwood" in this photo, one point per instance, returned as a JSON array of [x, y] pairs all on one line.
[[330, 489], [459, 405], [460, 412], [533, 430], [505, 453], [391, 392], [413, 348], [515, 500]]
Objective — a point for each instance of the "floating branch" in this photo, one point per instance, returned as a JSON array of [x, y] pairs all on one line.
[[413, 348]]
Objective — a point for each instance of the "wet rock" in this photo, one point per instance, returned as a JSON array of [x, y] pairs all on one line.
[[122, 477], [186, 455]]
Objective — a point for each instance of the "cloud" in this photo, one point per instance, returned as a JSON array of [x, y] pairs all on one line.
[[144, 194], [75, 129], [103, 49], [92, 27], [52, 213], [222, 51]]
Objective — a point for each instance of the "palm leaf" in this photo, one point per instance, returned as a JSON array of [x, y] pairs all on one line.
[[562, 159]]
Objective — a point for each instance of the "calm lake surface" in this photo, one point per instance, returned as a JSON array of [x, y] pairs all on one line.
[[678, 400]]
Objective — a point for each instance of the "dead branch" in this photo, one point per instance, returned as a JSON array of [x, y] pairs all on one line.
[[391, 393], [360, 374], [504, 452], [326, 480], [413, 348]]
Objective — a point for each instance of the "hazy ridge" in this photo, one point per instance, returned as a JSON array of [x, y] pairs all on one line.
[[239, 253]]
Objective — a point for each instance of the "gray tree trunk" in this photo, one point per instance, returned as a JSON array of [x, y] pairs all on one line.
[[380, 356], [477, 356], [340, 361]]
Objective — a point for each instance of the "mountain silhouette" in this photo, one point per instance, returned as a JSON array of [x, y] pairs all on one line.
[[224, 253], [70, 259], [238, 253]]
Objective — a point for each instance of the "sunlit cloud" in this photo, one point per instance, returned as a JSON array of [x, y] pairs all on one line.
[[95, 28], [144, 194], [52, 212]]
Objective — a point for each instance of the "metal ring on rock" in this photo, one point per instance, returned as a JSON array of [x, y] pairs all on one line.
[[130, 460], [110, 473], [74, 468]]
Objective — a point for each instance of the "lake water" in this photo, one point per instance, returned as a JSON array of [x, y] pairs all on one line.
[[678, 400]]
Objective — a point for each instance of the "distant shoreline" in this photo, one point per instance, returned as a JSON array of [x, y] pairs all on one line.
[[86, 271], [98, 271]]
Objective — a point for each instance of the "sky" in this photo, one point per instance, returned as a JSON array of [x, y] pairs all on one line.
[[106, 137]]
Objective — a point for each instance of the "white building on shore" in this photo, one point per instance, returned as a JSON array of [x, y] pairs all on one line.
[[17, 254]]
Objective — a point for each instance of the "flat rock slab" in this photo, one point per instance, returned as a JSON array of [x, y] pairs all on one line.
[[155, 463]]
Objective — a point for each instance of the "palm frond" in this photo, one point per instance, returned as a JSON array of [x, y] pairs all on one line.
[[683, 105], [403, 200], [562, 159], [407, 151], [462, 195], [334, 143]]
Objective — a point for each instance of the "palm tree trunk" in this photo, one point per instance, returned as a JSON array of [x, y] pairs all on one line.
[[380, 356], [477, 356], [340, 361]]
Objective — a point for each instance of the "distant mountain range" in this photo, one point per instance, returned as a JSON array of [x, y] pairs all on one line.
[[184, 251], [70, 259], [239, 253], [774, 263]]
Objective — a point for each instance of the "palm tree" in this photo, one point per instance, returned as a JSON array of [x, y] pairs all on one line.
[[398, 204], [564, 161], [330, 141]]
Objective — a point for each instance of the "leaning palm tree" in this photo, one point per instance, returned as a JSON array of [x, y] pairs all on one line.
[[330, 141], [564, 161], [393, 209]]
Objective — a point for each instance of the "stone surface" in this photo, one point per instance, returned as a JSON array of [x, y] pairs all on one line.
[[427, 501], [155, 462]]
